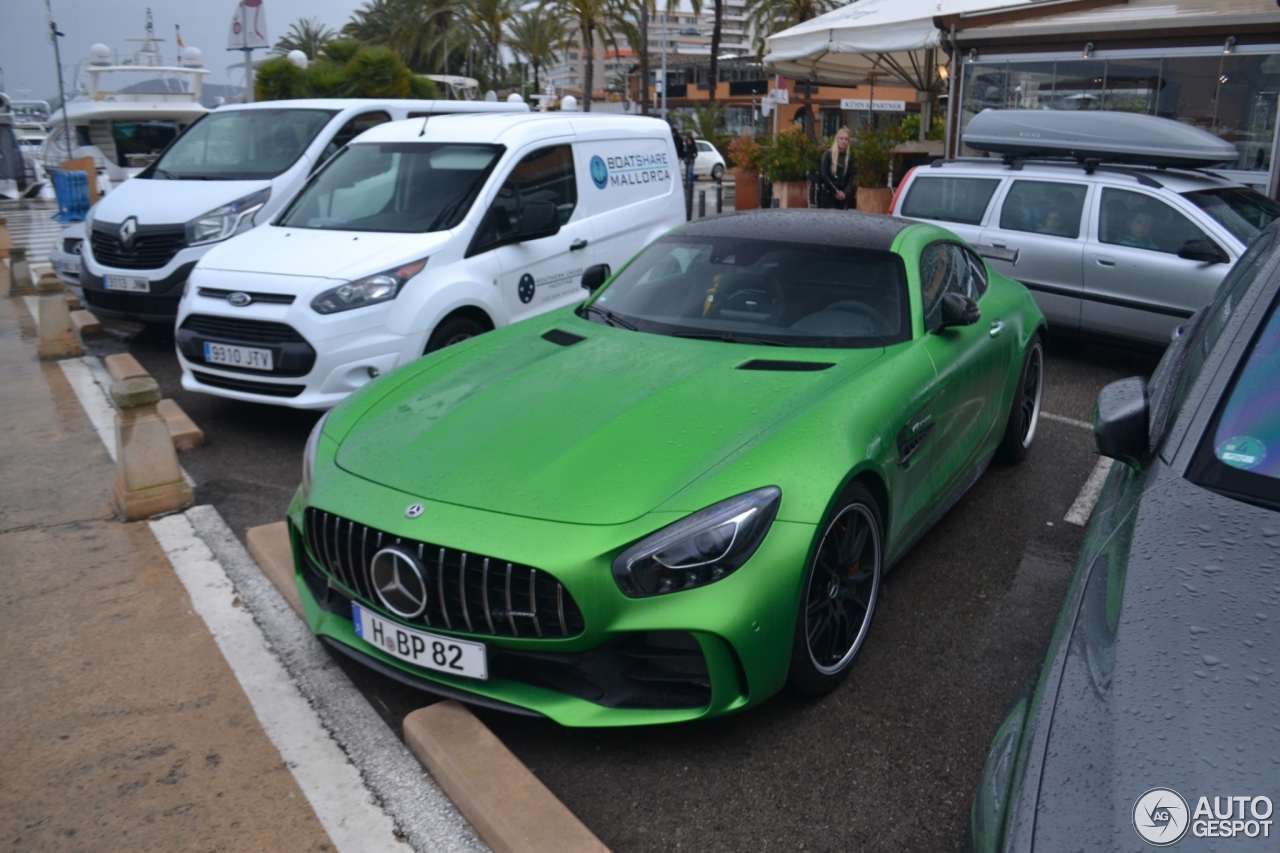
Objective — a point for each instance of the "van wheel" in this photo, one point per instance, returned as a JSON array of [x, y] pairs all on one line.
[[452, 331], [717, 172]]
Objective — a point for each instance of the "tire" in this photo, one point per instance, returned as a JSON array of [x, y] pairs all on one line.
[[717, 172], [1024, 409], [838, 598], [453, 330]]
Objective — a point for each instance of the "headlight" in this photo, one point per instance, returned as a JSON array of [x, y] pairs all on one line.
[[369, 290], [698, 550], [309, 453], [223, 222]]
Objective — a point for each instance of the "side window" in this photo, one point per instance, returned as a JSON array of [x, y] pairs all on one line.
[[961, 200], [946, 267], [543, 175], [978, 271], [1137, 220], [1044, 207], [704, 146], [353, 128]]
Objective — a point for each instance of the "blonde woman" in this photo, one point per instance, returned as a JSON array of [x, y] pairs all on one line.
[[836, 186]]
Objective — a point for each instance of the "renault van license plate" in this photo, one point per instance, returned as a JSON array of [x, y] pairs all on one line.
[[446, 654], [69, 266], [250, 357], [128, 282]]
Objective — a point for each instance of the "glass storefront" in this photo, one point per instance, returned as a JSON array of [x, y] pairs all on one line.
[[1233, 96]]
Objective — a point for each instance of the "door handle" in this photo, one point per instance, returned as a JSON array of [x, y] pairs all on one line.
[[1105, 262], [999, 245], [997, 326], [580, 243]]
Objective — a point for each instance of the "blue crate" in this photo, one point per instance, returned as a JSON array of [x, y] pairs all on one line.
[[72, 190]]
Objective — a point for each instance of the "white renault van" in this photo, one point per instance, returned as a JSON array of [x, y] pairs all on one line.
[[233, 168], [419, 235]]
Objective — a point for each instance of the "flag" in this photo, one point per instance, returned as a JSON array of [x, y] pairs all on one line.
[[248, 27], [177, 34]]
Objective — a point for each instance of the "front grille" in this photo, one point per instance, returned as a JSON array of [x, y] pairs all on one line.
[[272, 298], [469, 593], [153, 247], [242, 331], [247, 386]]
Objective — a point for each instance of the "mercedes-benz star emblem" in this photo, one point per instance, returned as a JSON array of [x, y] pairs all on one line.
[[239, 299], [128, 231], [413, 510], [398, 580]]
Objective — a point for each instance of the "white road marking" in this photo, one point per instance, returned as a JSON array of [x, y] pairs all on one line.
[[1065, 420], [1089, 492], [93, 397], [354, 823], [33, 307]]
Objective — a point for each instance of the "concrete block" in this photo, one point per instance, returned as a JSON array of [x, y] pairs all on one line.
[[5, 240], [57, 334], [20, 283], [86, 325], [73, 302], [148, 479], [270, 549], [511, 810], [123, 366], [184, 432]]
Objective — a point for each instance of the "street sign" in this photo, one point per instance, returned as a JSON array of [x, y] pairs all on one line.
[[248, 27], [780, 93], [876, 105]]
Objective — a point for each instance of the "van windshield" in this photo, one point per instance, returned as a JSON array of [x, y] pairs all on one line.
[[242, 145], [1241, 211], [404, 187]]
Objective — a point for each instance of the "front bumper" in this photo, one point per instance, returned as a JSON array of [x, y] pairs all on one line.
[[732, 638]]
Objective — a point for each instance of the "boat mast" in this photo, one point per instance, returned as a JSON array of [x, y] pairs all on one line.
[[54, 35]]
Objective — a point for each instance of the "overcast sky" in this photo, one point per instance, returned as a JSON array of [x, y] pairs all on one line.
[[27, 56]]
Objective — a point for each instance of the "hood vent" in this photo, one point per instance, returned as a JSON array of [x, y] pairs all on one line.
[[795, 366], [563, 338]]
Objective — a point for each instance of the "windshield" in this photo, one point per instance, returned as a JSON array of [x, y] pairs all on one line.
[[1243, 212], [394, 186], [755, 291], [242, 145]]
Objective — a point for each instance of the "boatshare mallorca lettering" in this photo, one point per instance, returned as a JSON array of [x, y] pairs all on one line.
[[635, 169]]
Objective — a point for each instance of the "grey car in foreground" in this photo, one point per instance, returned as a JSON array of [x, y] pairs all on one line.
[[1155, 716]]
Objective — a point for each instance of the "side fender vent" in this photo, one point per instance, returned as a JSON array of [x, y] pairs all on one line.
[[794, 366], [561, 337]]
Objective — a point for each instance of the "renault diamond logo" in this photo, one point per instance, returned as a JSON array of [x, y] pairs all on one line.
[[128, 231], [239, 299], [413, 510], [398, 580]]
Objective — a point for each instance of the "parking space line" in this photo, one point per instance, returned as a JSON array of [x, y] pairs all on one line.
[[1082, 508], [1049, 416]]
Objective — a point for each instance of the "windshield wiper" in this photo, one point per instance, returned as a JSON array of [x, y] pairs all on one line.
[[609, 317], [166, 174], [730, 338]]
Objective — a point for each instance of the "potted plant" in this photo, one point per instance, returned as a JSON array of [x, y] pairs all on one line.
[[787, 161], [744, 157], [873, 157]]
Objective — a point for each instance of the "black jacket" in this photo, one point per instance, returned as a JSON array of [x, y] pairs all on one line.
[[842, 180]]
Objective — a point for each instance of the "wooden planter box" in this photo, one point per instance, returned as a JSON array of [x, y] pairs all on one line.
[[791, 193], [874, 200], [746, 190]]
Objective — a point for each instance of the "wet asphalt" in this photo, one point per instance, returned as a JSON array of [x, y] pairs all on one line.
[[888, 762]]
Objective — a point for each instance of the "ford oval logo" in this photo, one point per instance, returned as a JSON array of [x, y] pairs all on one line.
[[239, 299]]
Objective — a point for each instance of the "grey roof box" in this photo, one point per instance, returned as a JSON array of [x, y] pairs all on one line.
[[1109, 137]]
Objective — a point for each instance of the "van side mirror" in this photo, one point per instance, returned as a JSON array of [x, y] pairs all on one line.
[[538, 219], [1121, 421], [1204, 251], [958, 310], [594, 276]]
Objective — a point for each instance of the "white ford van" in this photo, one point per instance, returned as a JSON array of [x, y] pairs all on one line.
[[420, 234], [233, 168]]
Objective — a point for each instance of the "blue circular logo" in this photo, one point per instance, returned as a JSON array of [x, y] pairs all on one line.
[[526, 288], [599, 172]]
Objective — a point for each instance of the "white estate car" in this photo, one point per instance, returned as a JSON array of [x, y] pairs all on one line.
[[709, 163], [232, 169], [418, 236]]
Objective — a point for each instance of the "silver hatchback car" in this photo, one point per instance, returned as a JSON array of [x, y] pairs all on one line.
[[1129, 252]]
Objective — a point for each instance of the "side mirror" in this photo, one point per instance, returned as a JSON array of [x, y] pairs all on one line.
[[958, 310], [1121, 421], [538, 219], [594, 276], [1204, 251]]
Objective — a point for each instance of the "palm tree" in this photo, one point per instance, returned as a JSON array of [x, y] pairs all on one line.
[[714, 72], [488, 20], [590, 19], [537, 34], [766, 17], [307, 35], [420, 31]]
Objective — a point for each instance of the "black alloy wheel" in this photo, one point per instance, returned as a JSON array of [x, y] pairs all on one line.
[[452, 331], [1024, 411], [839, 594]]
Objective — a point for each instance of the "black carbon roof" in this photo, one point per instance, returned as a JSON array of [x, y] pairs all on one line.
[[823, 227]]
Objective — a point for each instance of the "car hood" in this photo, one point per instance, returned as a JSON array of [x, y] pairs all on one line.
[[170, 202], [600, 431], [1170, 679], [311, 252]]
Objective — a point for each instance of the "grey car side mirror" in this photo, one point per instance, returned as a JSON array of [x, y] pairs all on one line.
[[1121, 421], [1204, 251]]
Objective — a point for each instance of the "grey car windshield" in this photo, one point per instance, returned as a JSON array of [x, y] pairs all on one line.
[[762, 292], [242, 145], [1241, 211], [405, 187]]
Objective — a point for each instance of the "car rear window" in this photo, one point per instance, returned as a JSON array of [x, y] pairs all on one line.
[[1044, 207], [961, 200]]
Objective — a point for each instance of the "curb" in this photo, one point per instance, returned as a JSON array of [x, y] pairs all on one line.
[[270, 549]]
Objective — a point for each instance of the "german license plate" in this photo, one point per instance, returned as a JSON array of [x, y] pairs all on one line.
[[128, 282], [250, 357], [69, 266], [445, 654]]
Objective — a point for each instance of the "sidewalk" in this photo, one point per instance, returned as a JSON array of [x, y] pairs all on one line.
[[124, 727]]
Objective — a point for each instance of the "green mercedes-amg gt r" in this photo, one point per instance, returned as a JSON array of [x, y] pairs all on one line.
[[674, 499]]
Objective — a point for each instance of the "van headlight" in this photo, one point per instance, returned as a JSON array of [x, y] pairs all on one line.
[[226, 221], [370, 290], [309, 453], [700, 549]]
